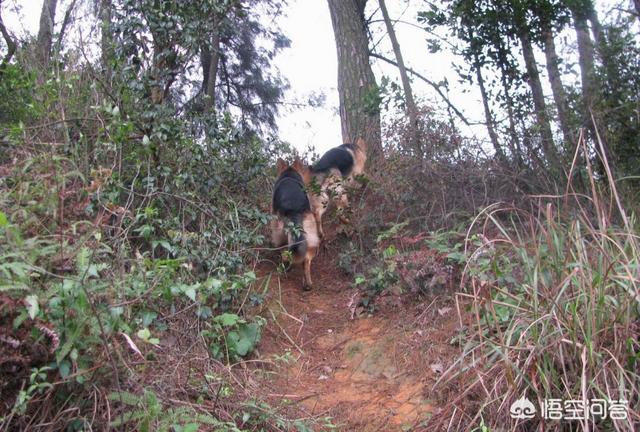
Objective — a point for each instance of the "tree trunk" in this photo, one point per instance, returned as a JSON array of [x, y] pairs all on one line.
[[637, 5], [106, 38], [210, 58], [477, 66], [411, 108], [45, 33], [590, 93], [587, 69], [586, 60], [357, 88], [493, 136], [533, 78], [164, 70], [515, 139], [598, 36], [559, 95], [596, 29]]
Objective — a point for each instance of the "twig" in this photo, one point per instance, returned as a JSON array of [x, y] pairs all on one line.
[[435, 86], [11, 45]]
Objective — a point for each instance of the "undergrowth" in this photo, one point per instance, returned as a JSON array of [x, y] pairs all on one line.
[[127, 290], [548, 291], [555, 297]]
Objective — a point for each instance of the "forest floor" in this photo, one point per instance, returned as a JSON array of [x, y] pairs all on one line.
[[321, 357], [367, 372]]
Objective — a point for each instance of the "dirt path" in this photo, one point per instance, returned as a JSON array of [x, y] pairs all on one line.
[[371, 373]]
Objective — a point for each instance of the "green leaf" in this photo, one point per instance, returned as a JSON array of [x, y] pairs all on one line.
[[228, 319], [64, 368], [95, 269], [32, 305], [148, 317], [190, 427], [165, 245], [145, 231], [212, 283], [82, 260], [249, 337], [3, 220], [390, 251], [124, 397], [64, 350], [190, 291], [458, 257], [144, 334]]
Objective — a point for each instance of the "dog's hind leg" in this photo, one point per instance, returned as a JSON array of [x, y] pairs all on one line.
[[307, 283], [343, 207], [319, 202], [313, 242], [278, 234]]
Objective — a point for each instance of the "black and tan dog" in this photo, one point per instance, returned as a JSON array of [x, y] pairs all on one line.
[[332, 172], [290, 202]]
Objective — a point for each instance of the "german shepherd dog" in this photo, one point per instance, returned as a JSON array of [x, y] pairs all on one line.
[[290, 202], [334, 170]]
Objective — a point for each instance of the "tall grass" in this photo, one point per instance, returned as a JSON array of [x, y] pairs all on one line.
[[555, 299]]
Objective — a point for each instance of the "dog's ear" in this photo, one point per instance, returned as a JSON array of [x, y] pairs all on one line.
[[361, 144], [281, 165], [302, 169], [297, 164]]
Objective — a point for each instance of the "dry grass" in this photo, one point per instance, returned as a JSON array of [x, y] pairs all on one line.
[[556, 296]]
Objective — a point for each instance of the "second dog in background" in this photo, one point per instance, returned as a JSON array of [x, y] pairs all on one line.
[[332, 172]]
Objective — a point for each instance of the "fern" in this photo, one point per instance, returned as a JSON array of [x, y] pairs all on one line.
[[125, 398]]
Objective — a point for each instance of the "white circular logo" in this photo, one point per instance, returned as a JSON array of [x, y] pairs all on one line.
[[522, 409]]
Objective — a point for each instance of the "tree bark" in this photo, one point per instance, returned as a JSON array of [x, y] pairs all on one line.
[[598, 35], [515, 139], [164, 70], [477, 66], [45, 33], [357, 87], [493, 136], [587, 69], [542, 119], [210, 59], [596, 29], [410, 104], [106, 39], [586, 55], [559, 95]]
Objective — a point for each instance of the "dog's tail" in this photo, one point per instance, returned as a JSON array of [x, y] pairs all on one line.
[[297, 239]]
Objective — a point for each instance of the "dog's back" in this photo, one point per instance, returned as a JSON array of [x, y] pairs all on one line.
[[346, 160], [291, 201], [289, 197], [340, 158], [335, 169]]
